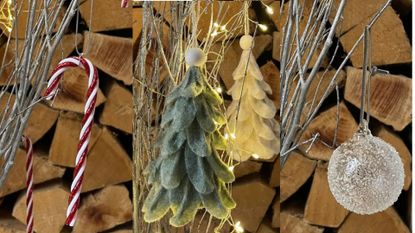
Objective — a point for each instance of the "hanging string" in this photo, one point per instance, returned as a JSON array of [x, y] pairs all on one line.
[[370, 70], [246, 17], [365, 95], [194, 17], [77, 27], [77, 30]]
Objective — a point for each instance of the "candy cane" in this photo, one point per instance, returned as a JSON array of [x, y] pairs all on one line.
[[87, 123], [124, 3], [27, 143]]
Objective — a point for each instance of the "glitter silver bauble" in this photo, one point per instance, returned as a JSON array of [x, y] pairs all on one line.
[[365, 174]]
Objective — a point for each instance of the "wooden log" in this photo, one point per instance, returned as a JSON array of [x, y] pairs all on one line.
[[293, 224], [108, 163], [275, 5], [246, 168], [276, 210], [104, 210], [106, 15], [118, 109], [317, 88], [8, 53], [111, 54], [294, 174], [389, 45], [11, 225], [232, 56], [6, 101], [71, 95], [40, 121], [49, 208], [321, 84], [65, 141], [354, 14], [274, 180], [386, 92], [251, 206], [266, 227], [393, 139], [321, 207], [272, 77], [65, 48], [43, 170], [325, 125], [276, 45], [384, 222]]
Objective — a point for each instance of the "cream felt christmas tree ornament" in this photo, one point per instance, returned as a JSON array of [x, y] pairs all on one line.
[[188, 174], [251, 113], [365, 173]]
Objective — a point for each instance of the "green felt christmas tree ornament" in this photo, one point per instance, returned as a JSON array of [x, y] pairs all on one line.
[[188, 174]]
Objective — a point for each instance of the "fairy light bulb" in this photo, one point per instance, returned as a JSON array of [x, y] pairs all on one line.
[[219, 90], [214, 33], [263, 27], [269, 10], [233, 136], [226, 136], [231, 168], [223, 28], [216, 25], [255, 156], [238, 227]]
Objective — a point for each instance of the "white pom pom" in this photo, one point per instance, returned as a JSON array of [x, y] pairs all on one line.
[[246, 42], [365, 174], [195, 57]]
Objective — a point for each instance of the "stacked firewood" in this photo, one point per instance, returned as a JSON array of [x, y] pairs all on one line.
[[54, 128], [307, 204]]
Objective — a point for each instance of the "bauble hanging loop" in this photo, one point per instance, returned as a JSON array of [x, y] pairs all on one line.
[[365, 174]]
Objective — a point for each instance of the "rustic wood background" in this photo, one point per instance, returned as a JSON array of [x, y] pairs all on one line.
[[106, 199]]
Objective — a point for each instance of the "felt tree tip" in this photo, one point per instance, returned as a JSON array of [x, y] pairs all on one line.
[[195, 57], [246, 42]]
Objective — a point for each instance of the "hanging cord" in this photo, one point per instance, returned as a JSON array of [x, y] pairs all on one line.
[[246, 17], [77, 27], [77, 30], [367, 73], [194, 15]]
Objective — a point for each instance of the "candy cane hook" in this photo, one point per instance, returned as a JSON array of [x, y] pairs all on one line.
[[27, 143], [87, 123]]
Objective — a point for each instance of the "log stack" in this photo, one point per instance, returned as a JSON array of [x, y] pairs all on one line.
[[54, 128], [307, 204]]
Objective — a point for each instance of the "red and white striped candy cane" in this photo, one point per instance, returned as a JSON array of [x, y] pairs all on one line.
[[87, 123], [27, 143], [124, 3]]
